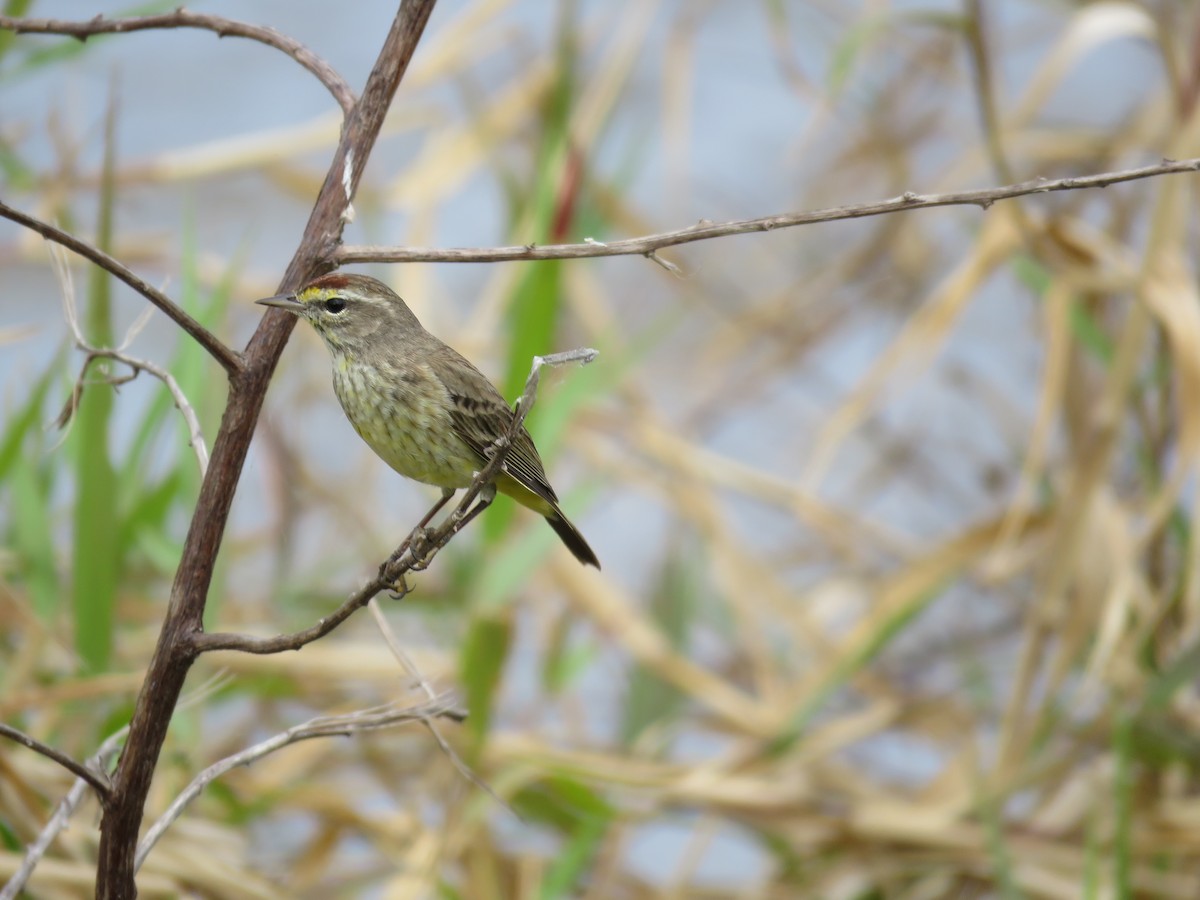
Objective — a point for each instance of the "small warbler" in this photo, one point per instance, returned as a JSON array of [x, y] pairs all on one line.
[[421, 406]]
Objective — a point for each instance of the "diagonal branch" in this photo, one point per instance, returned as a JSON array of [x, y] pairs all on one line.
[[98, 761], [62, 815], [229, 358], [79, 770], [705, 230], [417, 550], [182, 18], [322, 726]]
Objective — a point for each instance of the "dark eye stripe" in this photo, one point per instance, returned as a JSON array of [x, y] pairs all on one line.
[[335, 305]]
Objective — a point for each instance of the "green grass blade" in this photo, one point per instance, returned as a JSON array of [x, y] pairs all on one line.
[[95, 564], [1123, 806], [22, 424], [533, 312], [33, 538], [573, 860], [481, 663], [650, 701]]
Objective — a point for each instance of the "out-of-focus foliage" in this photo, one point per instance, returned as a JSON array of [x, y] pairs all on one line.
[[899, 595]]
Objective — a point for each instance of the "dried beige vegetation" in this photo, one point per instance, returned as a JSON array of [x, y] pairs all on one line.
[[918, 620]]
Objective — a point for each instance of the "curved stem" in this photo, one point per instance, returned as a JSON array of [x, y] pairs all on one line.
[[182, 18]]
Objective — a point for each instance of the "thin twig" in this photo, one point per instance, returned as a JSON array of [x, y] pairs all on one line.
[[703, 231], [195, 435], [322, 726], [71, 313], [418, 548], [410, 667], [229, 358], [62, 815], [78, 769], [182, 18]]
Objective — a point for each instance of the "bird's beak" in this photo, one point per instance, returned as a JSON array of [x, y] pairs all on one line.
[[283, 301]]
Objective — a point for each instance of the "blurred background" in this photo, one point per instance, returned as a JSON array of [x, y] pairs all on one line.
[[899, 594]]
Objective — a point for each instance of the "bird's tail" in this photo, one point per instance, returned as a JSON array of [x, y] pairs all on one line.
[[571, 537]]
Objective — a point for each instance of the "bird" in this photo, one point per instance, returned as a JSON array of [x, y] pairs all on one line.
[[422, 407]]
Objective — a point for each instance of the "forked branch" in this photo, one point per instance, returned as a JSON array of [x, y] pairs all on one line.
[[62, 815]]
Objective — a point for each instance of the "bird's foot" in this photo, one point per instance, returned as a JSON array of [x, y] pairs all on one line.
[[399, 588], [418, 545]]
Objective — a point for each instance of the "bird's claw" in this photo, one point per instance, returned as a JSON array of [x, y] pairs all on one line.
[[399, 589]]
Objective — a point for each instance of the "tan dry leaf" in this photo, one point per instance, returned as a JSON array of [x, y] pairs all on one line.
[[920, 341], [1090, 27]]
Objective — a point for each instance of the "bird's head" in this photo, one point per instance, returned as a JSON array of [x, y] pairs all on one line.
[[349, 311]]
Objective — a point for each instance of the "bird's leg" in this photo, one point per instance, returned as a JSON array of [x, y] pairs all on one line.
[[447, 493], [416, 537], [455, 523], [486, 495]]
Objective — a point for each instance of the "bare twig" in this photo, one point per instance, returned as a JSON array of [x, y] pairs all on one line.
[[323, 726], [417, 549], [229, 358], [182, 18], [79, 770], [62, 815], [195, 435], [703, 231], [410, 667]]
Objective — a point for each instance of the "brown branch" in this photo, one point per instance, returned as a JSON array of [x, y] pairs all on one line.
[[229, 358], [418, 549], [62, 815], [79, 770], [205, 642], [704, 231], [175, 652], [182, 18]]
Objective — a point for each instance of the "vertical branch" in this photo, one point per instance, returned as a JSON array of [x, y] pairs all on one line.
[[174, 653]]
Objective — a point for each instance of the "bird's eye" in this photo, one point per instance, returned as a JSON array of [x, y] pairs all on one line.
[[335, 305]]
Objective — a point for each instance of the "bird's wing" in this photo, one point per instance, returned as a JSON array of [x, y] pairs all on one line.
[[480, 417]]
